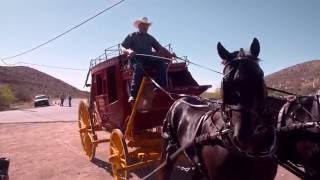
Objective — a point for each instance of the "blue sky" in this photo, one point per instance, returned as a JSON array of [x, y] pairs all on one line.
[[288, 30]]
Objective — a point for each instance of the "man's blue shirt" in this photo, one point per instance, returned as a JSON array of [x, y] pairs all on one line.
[[141, 43]]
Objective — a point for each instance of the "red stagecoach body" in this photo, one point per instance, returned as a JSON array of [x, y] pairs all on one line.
[[134, 125], [109, 91]]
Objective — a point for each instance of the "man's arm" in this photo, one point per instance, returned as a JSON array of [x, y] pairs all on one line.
[[126, 45], [162, 50]]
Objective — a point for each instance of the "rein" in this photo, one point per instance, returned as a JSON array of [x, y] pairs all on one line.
[[186, 61], [265, 154], [208, 102], [212, 70], [297, 126]]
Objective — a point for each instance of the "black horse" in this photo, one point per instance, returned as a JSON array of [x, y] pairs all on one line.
[[246, 150], [299, 134]]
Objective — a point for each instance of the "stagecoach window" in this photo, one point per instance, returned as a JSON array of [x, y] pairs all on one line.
[[111, 84], [99, 84]]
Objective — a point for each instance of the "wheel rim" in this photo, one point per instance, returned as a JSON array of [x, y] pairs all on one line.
[[84, 127], [119, 152]]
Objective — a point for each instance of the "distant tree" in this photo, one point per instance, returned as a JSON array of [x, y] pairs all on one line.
[[216, 94], [6, 97]]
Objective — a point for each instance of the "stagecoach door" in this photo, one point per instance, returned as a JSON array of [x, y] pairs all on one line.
[[108, 97]]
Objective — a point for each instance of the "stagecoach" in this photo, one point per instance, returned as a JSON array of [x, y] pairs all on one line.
[[135, 139]]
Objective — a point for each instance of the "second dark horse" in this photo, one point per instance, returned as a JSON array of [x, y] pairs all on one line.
[[246, 150], [298, 134]]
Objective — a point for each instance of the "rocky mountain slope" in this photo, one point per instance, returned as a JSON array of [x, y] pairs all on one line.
[[302, 78], [26, 82]]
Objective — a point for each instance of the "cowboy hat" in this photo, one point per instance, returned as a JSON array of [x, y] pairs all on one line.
[[143, 20]]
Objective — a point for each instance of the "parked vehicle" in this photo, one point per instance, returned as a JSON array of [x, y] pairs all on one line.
[[41, 100]]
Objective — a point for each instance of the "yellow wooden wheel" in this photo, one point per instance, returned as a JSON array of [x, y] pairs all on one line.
[[118, 154], [86, 135]]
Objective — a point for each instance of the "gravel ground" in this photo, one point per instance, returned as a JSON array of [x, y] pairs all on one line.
[[44, 143]]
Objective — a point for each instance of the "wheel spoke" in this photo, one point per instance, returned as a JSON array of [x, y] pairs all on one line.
[[84, 123], [123, 161], [118, 148]]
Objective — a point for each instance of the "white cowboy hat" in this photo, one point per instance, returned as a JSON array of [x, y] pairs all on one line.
[[143, 20]]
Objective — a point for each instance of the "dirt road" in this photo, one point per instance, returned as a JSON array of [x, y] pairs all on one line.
[[43, 143]]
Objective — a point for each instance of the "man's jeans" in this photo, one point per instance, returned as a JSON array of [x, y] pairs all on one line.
[[139, 64]]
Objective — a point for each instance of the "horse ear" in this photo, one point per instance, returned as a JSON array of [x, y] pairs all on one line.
[[255, 47], [223, 53]]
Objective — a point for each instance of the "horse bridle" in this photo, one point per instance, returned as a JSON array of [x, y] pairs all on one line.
[[227, 108], [226, 111]]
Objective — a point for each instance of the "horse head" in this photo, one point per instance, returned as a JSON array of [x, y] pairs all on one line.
[[243, 94]]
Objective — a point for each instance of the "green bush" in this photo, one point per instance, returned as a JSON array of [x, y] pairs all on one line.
[[6, 97]]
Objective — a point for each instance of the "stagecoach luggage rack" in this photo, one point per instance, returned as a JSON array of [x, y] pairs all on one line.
[[113, 51], [108, 53]]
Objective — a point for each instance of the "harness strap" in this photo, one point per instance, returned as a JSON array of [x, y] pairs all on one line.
[[298, 126], [182, 148], [204, 100], [195, 140], [195, 158], [180, 95]]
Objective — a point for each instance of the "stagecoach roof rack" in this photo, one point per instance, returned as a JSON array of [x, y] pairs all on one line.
[[116, 50], [109, 52]]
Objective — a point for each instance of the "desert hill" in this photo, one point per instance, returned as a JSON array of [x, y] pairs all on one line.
[[26, 82], [302, 78]]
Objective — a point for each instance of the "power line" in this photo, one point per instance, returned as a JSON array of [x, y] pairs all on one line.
[[42, 65], [49, 66], [58, 36]]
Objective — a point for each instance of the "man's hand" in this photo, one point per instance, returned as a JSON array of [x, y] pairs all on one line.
[[131, 53]]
